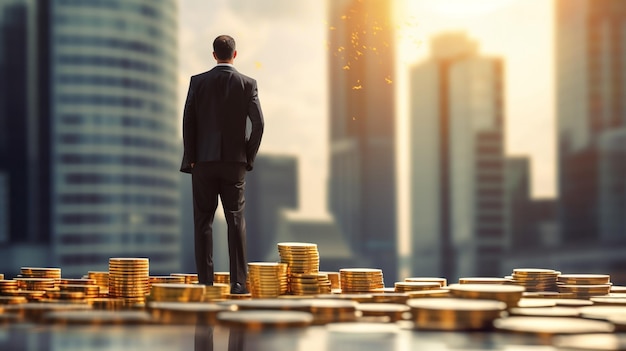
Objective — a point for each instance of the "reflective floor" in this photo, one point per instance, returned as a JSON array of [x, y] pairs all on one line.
[[351, 336]]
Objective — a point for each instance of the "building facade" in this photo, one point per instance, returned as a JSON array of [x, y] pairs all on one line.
[[88, 152], [591, 119], [457, 160], [362, 179], [113, 126]]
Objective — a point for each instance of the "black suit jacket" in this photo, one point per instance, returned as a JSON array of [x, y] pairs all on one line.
[[214, 122]]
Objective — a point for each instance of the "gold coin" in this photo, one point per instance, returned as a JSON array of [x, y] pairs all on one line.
[[258, 320], [393, 311], [591, 342], [441, 281], [576, 279], [429, 293], [548, 326], [483, 280], [416, 286], [544, 311], [535, 303]]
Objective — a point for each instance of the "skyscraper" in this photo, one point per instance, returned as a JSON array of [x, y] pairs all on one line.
[[89, 122], [24, 122], [114, 122], [270, 188], [591, 119], [362, 182], [457, 160]]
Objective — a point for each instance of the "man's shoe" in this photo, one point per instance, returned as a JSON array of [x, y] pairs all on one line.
[[238, 289]]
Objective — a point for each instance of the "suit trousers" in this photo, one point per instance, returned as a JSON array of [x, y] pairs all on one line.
[[226, 180]]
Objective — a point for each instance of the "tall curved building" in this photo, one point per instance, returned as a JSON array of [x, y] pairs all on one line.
[[114, 133]]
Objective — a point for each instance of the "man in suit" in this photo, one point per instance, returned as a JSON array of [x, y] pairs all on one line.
[[218, 154]]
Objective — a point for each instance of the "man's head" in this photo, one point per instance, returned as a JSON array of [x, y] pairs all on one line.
[[224, 49]]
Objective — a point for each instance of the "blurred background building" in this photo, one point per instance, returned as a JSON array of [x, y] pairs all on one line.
[[88, 154], [270, 188], [457, 160], [362, 121], [591, 121]]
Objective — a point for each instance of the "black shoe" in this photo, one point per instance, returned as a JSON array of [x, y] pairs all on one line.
[[238, 289]]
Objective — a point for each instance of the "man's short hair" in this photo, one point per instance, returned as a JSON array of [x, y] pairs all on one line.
[[224, 47]]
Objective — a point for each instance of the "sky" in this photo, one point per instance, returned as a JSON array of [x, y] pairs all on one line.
[[283, 45]]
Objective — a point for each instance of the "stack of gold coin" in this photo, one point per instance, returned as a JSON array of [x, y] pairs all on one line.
[[324, 283], [177, 292], [102, 280], [35, 284], [584, 279], [484, 280], [37, 272], [80, 281], [56, 295], [1, 276], [416, 286], [584, 286], [216, 292], [442, 281], [90, 291], [267, 279], [12, 300], [165, 279], [390, 297], [128, 278], [30, 295], [8, 285], [300, 257], [585, 291], [361, 279], [509, 294], [334, 279], [543, 295], [221, 277], [304, 284], [454, 314], [105, 303], [535, 279], [73, 291], [190, 278], [333, 310], [429, 293]]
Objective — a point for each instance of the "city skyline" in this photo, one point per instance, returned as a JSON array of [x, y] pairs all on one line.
[[108, 133], [286, 52]]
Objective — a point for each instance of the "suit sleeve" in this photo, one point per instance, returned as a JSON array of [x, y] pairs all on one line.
[[256, 119], [189, 128]]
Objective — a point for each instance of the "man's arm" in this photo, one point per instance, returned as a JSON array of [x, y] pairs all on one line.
[[189, 126], [256, 118]]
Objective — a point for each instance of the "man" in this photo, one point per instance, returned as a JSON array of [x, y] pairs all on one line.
[[218, 154]]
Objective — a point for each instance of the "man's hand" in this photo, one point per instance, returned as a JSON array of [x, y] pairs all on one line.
[[193, 164]]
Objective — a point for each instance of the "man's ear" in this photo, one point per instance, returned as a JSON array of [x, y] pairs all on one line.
[[214, 55], [235, 54]]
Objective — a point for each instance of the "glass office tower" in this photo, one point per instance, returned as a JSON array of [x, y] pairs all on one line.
[[114, 133]]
